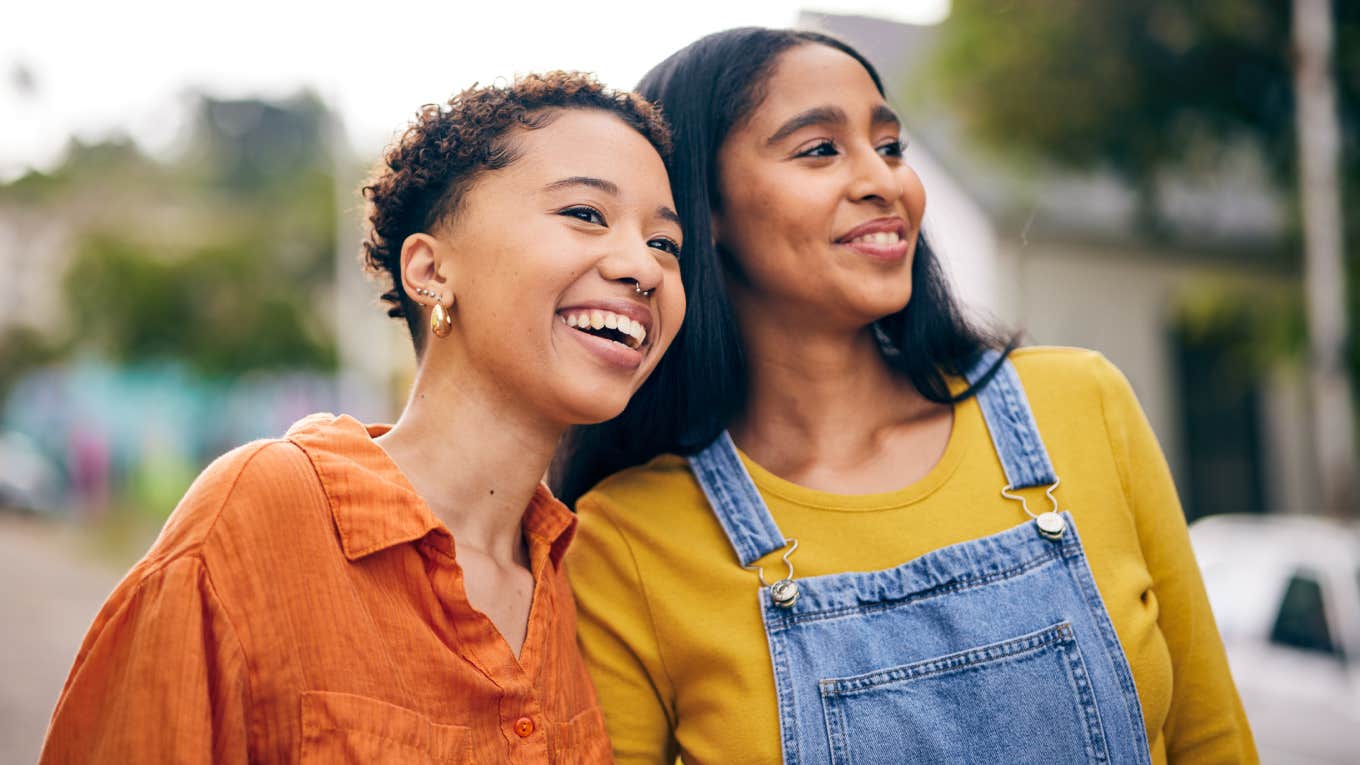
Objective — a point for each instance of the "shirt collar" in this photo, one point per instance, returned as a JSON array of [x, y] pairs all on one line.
[[374, 505]]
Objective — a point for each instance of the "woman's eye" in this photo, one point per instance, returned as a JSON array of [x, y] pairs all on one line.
[[822, 149], [666, 245], [585, 213], [893, 148]]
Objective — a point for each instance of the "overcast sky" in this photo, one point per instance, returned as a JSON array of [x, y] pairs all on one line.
[[93, 69]]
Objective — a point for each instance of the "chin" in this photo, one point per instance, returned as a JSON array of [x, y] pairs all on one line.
[[589, 408], [882, 309]]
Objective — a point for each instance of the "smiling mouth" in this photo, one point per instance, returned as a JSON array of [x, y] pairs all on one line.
[[608, 325], [881, 237]]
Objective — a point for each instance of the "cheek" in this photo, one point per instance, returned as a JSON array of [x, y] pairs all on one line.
[[671, 309], [779, 215], [675, 316], [914, 195]]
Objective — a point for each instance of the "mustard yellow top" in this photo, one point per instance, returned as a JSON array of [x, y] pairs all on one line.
[[671, 629]]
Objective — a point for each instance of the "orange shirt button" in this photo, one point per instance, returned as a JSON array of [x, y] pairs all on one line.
[[524, 727]]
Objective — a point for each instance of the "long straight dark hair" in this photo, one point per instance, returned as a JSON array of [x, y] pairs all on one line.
[[706, 90]]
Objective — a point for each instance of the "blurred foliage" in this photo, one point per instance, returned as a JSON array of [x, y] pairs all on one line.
[[223, 308], [221, 257], [22, 348], [1144, 86], [1252, 328], [1133, 86], [116, 158]]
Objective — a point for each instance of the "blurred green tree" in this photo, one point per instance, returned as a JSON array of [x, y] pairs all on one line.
[[1146, 86], [221, 257]]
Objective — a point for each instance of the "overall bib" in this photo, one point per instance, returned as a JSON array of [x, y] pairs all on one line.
[[995, 650]]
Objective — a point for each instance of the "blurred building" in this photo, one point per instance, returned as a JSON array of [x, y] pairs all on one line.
[[1070, 259], [160, 310]]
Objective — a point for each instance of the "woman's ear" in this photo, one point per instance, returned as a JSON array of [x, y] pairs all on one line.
[[425, 264]]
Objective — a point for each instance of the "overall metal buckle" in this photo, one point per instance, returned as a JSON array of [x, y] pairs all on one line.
[[1051, 524], [784, 592]]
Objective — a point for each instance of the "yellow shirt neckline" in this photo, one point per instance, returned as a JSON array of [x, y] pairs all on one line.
[[966, 428]]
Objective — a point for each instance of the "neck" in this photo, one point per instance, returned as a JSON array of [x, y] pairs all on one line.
[[818, 395], [475, 456]]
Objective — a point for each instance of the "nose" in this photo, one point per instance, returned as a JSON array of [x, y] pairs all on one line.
[[635, 265], [874, 179]]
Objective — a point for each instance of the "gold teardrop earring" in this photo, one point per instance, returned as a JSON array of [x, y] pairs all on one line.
[[441, 320]]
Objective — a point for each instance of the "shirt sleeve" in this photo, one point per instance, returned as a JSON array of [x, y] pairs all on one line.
[[1206, 722], [160, 678], [618, 639]]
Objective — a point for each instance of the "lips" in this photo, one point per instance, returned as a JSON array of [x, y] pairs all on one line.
[[616, 331], [874, 227], [881, 239]]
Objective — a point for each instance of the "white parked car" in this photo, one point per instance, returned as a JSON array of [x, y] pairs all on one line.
[[1285, 590]]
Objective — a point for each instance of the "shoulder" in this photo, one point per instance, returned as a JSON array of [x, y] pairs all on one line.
[[1048, 366], [1070, 381], [1078, 396], [247, 484], [658, 497], [662, 471]]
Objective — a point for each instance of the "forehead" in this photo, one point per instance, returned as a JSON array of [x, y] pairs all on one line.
[[587, 142], [816, 75]]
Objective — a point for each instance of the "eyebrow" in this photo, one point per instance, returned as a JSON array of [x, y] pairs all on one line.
[[608, 187], [611, 188], [830, 115]]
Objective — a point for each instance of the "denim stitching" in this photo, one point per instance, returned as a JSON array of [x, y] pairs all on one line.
[[836, 727], [1059, 634], [783, 680], [1010, 423], [1096, 744], [1114, 650], [960, 584], [736, 501]]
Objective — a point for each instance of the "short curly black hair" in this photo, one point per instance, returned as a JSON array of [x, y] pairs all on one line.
[[425, 172]]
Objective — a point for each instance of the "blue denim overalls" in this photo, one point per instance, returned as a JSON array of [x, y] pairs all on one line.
[[996, 650]]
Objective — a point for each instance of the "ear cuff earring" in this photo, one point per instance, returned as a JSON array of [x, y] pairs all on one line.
[[441, 320]]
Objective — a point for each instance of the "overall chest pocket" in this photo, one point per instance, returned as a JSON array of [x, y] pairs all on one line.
[[1023, 701], [345, 728]]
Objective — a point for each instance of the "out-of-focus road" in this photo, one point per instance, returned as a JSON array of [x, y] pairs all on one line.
[[49, 594]]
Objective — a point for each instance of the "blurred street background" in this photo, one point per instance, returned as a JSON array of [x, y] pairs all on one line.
[[1172, 184]]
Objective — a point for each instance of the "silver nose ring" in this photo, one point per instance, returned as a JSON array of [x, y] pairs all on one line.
[[637, 287]]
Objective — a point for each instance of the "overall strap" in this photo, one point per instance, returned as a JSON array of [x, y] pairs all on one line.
[[1009, 420], [729, 488]]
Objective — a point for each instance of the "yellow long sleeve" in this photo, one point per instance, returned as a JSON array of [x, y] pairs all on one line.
[[669, 621]]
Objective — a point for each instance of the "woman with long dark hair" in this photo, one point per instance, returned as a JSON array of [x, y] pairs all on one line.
[[842, 522]]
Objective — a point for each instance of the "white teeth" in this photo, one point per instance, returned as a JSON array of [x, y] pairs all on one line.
[[633, 331], [881, 237]]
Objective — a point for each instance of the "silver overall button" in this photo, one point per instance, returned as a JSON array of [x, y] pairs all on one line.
[[1051, 525], [784, 593]]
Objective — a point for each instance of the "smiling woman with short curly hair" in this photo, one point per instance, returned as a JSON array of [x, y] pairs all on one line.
[[425, 173], [362, 593]]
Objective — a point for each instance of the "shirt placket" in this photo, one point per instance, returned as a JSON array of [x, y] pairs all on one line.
[[522, 721]]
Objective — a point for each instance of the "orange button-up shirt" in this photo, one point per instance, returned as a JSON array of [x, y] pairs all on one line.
[[303, 604]]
